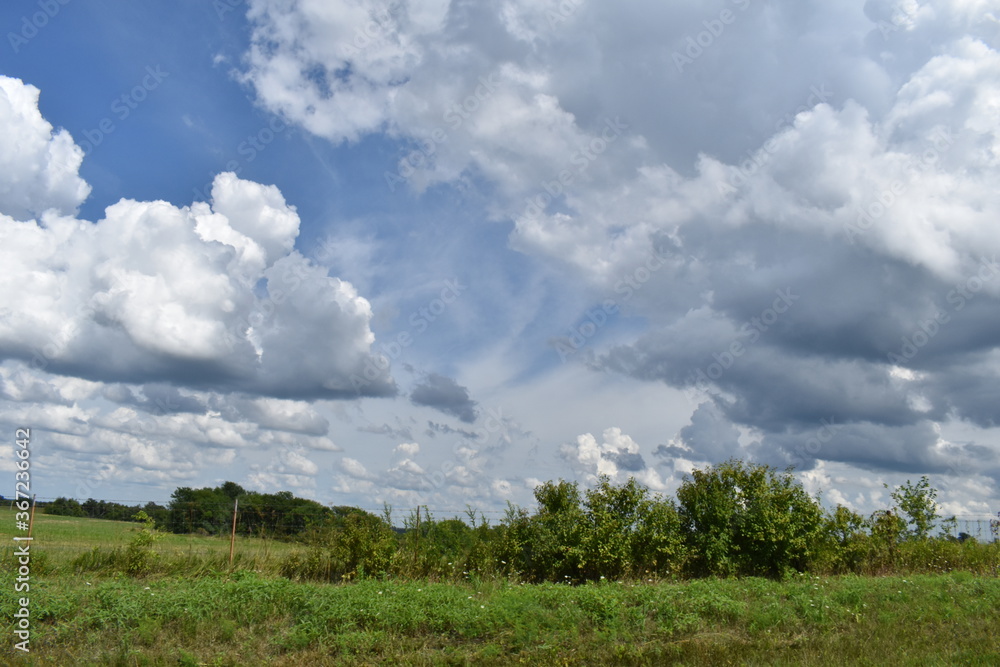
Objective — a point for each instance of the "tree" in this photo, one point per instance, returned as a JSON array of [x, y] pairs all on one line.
[[741, 518], [65, 507], [917, 502], [626, 531]]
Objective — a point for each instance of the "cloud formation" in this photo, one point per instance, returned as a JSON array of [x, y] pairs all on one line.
[[861, 187], [445, 394], [212, 296]]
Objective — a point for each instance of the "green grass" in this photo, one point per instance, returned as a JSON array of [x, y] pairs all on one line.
[[195, 610], [62, 539], [247, 619]]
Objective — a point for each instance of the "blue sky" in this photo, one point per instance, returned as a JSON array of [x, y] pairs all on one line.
[[438, 252]]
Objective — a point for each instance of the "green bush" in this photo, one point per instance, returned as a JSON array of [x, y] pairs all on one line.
[[628, 533], [748, 519], [353, 544]]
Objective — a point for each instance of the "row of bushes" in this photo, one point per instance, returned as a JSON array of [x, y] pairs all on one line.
[[733, 519]]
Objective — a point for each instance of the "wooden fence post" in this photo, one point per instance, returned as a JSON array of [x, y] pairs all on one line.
[[31, 517], [232, 538]]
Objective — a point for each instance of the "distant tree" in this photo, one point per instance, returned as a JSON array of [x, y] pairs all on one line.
[[232, 490], [65, 507]]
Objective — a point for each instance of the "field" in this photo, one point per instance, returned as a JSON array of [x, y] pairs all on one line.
[[208, 615], [64, 538]]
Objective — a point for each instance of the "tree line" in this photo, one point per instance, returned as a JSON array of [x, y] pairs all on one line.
[[731, 519]]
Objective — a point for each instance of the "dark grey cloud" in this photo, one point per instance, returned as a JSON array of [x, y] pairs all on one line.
[[671, 452], [710, 436], [433, 428], [154, 398], [626, 460], [444, 394], [813, 329]]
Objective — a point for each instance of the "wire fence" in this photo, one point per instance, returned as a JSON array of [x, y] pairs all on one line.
[[286, 520]]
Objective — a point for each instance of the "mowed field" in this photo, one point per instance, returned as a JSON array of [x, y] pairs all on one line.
[[208, 614], [64, 538]]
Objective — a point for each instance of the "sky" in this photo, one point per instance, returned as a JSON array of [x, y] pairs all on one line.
[[436, 253]]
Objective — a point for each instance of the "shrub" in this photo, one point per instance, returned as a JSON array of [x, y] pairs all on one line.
[[627, 532], [844, 545], [747, 519], [351, 544]]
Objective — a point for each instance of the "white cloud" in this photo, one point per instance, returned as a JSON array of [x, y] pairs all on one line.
[[208, 295], [617, 457], [38, 167]]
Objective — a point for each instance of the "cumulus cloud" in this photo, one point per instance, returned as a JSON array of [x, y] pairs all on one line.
[[617, 457], [211, 295], [38, 166]]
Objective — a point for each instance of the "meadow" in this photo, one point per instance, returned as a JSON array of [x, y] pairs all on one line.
[[193, 609]]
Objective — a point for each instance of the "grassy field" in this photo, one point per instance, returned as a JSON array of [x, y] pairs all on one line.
[[214, 616], [64, 538], [246, 619]]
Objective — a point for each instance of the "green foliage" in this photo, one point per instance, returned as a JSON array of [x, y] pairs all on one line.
[[627, 532], [733, 519], [65, 507], [917, 503], [210, 511], [845, 546], [352, 543], [136, 559], [248, 620], [551, 539], [746, 519]]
